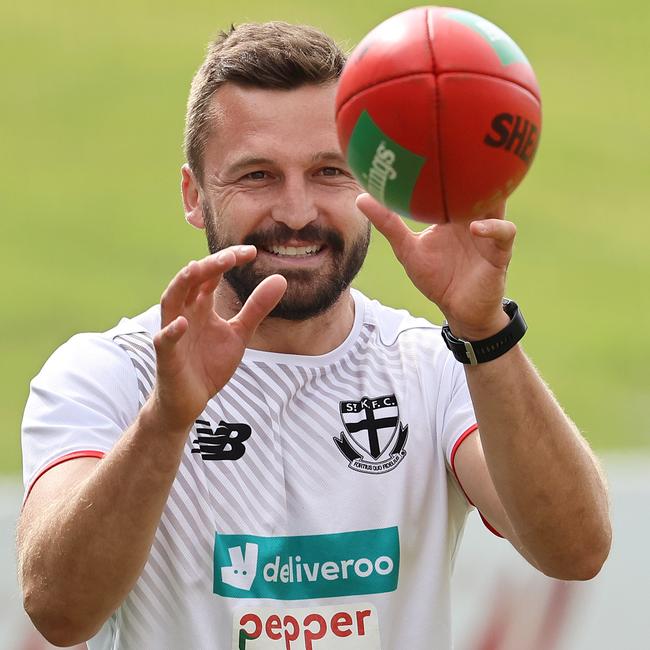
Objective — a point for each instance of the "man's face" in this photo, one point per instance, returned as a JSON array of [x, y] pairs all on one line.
[[274, 176]]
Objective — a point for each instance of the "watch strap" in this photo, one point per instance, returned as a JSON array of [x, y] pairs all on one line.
[[475, 352]]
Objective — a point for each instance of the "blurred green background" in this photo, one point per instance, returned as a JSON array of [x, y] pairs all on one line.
[[91, 120]]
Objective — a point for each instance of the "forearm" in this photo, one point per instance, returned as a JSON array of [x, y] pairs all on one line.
[[81, 555], [550, 495], [544, 473]]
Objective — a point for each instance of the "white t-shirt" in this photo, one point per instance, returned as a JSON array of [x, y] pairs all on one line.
[[314, 507]]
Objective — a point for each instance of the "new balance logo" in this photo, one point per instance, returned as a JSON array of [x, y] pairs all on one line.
[[226, 442], [242, 569]]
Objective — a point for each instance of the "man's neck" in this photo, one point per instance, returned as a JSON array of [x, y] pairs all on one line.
[[312, 337]]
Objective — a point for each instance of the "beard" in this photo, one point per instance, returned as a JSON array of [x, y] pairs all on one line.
[[309, 292]]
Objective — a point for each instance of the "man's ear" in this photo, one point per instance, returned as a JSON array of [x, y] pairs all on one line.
[[191, 198]]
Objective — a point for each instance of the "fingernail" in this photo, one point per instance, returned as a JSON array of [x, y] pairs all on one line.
[[245, 248]]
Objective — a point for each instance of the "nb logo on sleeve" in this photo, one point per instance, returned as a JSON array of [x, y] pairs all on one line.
[[226, 442]]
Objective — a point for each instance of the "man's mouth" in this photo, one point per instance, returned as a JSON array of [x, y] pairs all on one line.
[[309, 245], [294, 251]]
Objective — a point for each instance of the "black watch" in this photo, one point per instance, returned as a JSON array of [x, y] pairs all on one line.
[[475, 352]]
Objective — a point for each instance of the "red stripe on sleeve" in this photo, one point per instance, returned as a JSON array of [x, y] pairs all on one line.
[[86, 453], [457, 444]]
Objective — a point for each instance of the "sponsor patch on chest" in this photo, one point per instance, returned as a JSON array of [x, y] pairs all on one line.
[[307, 566], [352, 626]]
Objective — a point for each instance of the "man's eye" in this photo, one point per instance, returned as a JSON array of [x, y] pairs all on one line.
[[256, 176], [331, 171]]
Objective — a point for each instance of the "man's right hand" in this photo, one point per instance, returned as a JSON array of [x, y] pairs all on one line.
[[197, 350]]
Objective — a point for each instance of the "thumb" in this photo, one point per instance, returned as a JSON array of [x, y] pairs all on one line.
[[500, 231], [259, 305]]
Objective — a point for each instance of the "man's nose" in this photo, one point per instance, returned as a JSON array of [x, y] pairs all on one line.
[[295, 206]]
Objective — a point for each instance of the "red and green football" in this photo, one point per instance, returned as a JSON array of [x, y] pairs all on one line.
[[438, 112]]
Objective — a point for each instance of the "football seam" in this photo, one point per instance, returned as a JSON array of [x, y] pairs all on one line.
[[437, 76], [443, 187]]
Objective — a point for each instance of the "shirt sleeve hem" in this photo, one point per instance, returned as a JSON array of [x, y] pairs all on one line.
[[84, 453], [463, 436]]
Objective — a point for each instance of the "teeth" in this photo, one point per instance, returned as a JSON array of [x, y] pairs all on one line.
[[294, 250]]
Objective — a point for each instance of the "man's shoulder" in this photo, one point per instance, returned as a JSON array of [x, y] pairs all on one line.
[[148, 323], [145, 324], [100, 350], [394, 325]]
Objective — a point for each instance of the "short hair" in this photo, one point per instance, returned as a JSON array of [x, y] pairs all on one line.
[[273, 55]]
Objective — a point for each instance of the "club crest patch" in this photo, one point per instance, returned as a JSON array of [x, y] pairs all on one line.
[[374, 438]]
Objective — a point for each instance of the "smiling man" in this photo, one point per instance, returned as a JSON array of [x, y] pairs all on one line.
[[275, 154], [269, 459]]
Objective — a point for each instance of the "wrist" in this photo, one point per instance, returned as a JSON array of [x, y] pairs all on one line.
[[155, 417], [156, 442], [475, 351], [478, 332]]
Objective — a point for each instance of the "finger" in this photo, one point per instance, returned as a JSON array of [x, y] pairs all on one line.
[[499, 230], [183, 288], [174, 295], [170, 335], [389, 224], [259, 305], [242, 255], [208, 288], [193, 289]]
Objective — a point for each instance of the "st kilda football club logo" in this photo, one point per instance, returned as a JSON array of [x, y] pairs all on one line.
[[374, 438]]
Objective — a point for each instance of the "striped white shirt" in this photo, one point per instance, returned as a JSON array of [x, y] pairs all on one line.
[[314, 507]]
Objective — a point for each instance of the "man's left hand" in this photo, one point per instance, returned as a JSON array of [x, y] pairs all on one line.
[[460, 266]]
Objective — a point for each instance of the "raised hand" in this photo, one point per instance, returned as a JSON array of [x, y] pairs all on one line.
[[197, 350], [459, 266]]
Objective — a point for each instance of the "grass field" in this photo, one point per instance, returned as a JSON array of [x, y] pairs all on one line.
[[91, 121]]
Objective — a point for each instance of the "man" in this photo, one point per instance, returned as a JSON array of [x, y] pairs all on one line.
[[269, 459]]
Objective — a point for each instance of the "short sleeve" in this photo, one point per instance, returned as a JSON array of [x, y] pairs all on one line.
[[458, 420], [455, 416], [79, 404]]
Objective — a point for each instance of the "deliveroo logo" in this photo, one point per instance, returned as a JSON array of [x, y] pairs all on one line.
[[306, 566], [243, 568]]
